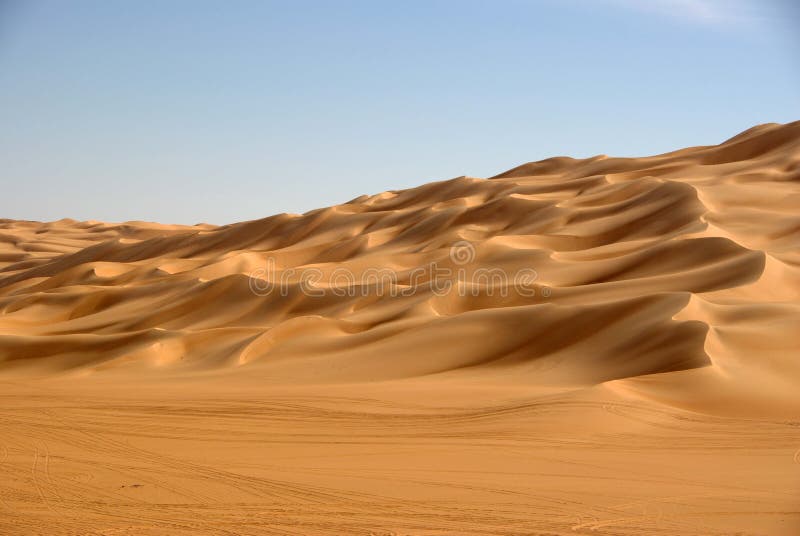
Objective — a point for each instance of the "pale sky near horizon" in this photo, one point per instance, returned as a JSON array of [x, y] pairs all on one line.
[[198, 111]]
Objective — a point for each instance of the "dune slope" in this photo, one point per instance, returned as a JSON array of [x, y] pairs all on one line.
[[623, 331]]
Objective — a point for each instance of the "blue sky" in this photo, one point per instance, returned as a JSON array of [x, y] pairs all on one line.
[[190, 111]]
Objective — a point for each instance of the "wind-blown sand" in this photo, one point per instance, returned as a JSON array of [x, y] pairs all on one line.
[[643, 378]]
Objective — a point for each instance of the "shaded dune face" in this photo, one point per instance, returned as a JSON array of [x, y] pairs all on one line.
[[661, 271]]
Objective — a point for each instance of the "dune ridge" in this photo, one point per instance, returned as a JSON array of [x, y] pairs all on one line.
[[657, 264], [641, 378]]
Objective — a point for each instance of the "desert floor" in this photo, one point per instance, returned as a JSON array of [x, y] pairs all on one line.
[[415, 458]]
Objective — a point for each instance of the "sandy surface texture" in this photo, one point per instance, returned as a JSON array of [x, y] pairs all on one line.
[[596, 346]]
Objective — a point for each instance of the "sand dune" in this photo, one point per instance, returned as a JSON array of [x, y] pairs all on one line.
[[575, 346]]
